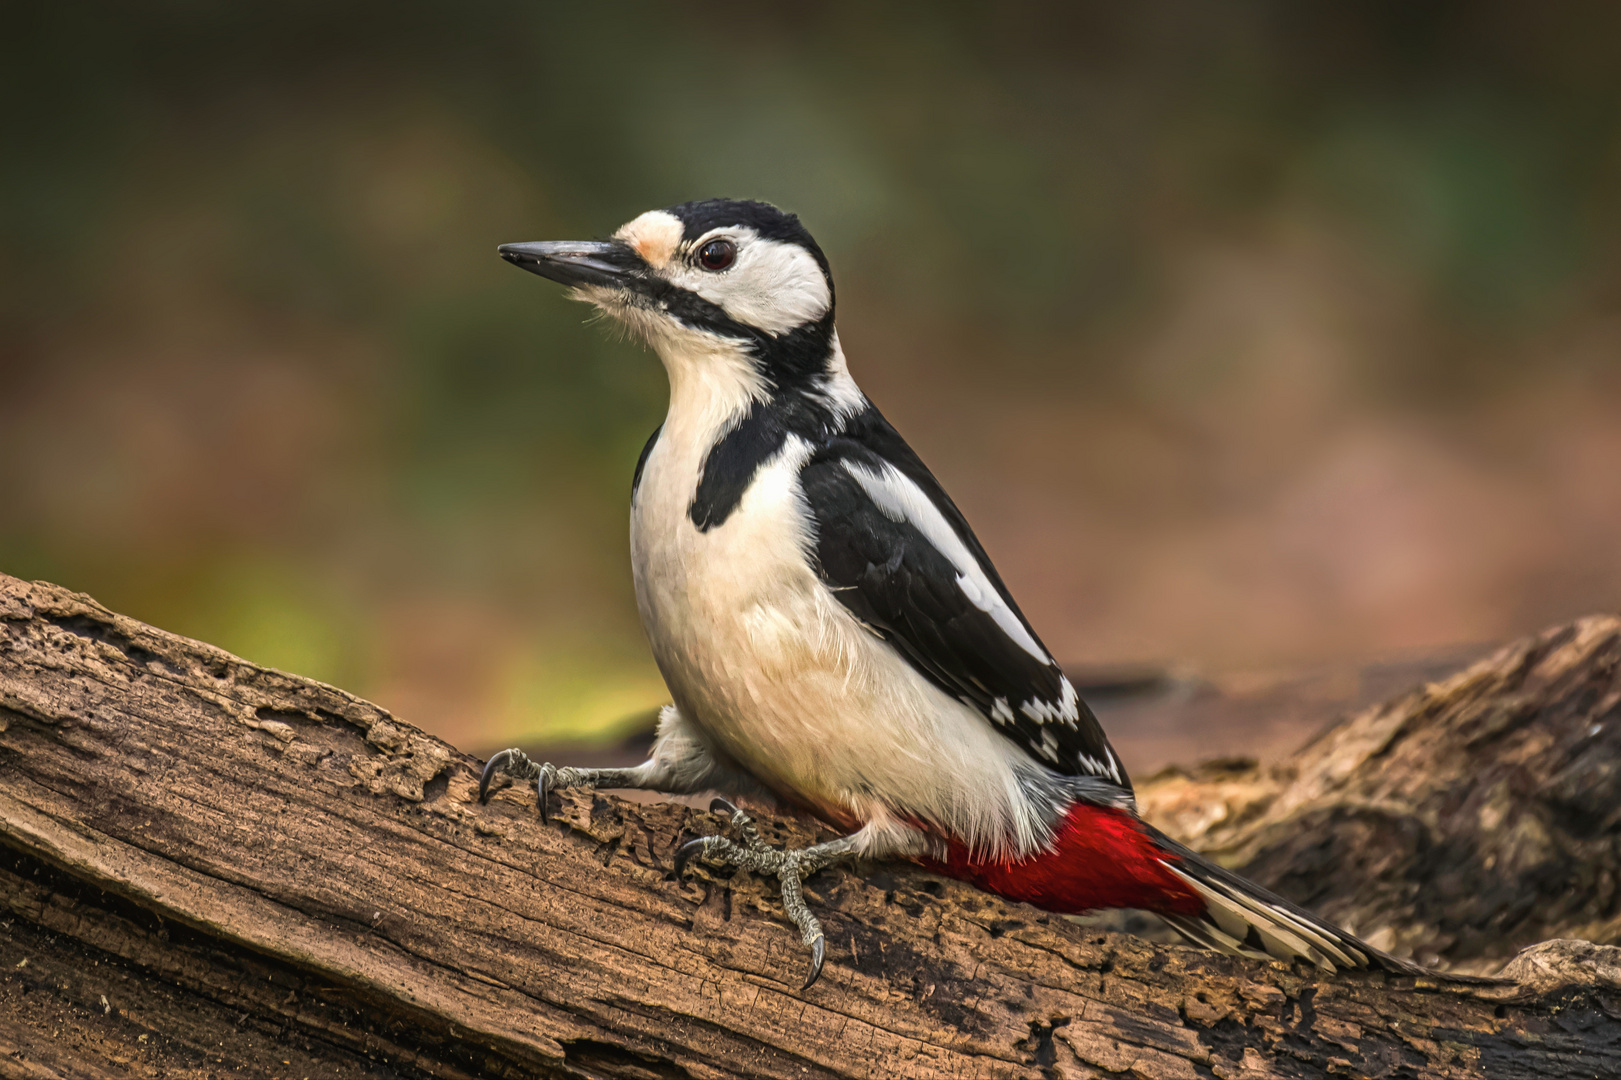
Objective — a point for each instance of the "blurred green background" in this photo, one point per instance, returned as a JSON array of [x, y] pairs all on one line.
[[1247, 334]]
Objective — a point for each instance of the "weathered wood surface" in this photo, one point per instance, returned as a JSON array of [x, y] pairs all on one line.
[[1457, 823], [211, 869]]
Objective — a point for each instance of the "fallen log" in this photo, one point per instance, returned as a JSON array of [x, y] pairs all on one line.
[[1455, 824], [209, 868]]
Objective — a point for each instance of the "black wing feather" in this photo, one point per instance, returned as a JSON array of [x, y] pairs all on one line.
[[892, 578]]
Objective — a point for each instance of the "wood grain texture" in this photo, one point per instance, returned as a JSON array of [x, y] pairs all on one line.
[[212, 869], [1457, 823]]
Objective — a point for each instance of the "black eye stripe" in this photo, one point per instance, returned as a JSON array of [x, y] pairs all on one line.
[[791, 359]]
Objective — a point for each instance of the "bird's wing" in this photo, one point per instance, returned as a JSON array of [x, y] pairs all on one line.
[[895, 549]]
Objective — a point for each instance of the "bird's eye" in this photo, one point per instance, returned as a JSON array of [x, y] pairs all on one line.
[[717, 254]]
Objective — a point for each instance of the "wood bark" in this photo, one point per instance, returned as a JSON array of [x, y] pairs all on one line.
[[208, 868], [1455, 824]]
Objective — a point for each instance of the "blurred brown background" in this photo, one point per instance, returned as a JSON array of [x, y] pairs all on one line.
[[1249, 336]]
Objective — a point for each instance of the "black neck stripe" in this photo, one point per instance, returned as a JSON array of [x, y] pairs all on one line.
[[731, 464], [789, 361]]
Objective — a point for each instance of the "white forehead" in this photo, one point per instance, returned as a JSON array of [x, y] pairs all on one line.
[[655, 236]]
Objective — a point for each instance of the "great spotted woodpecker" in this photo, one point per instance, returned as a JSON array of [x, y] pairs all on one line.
[[834, 637]]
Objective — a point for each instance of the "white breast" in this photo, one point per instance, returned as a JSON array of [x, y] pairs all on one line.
[[775, 671]]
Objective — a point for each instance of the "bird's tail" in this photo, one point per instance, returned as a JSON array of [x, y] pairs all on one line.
[[1241, 917], [1108, 857]]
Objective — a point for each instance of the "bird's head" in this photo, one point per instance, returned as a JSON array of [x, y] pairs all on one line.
[[724, 279]]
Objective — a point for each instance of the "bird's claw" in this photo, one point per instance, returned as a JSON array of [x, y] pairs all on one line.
[[543, 788], [818, 954], [693, 848], [685, 853], [493, 768], [790, 868], [514, 762]]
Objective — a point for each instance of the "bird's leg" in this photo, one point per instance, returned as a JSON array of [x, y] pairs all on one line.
[[681, 764], [548, 777], [790, 867]]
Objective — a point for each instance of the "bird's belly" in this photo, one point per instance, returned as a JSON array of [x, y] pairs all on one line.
[[757, 657], [766, 662], [815, 707]]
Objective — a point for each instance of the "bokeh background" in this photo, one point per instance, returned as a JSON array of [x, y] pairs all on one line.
[[1250, 336]]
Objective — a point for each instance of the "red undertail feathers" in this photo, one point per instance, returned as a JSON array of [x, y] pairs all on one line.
[[1103, 857]]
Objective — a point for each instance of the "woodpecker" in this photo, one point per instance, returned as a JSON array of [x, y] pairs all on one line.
[[833, 636]]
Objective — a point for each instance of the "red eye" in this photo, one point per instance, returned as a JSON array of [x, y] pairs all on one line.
[[717, 254]]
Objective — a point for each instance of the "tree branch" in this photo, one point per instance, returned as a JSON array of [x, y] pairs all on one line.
[[209, 867]]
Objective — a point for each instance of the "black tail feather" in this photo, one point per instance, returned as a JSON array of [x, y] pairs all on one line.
[[1241, 917]]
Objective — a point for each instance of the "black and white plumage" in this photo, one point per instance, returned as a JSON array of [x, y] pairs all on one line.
[[896, 551], [830, 629]]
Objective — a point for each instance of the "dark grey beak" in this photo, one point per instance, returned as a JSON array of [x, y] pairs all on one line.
[[576, 262]]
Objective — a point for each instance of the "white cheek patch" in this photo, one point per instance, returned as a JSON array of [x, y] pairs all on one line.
[[773, 286], [900, 499], [654, 236]]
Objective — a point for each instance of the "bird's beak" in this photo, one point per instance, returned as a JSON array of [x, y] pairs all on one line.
[[576, 262]]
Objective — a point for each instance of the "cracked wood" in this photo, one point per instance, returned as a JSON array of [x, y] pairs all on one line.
[[210, 868]]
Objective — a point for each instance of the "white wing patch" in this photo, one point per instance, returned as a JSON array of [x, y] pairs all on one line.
[[900, 499]]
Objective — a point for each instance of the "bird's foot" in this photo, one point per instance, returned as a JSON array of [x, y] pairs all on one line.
[[546, 776], [790, 867]]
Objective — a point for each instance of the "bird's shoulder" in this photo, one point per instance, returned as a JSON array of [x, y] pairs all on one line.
[[731, 464]]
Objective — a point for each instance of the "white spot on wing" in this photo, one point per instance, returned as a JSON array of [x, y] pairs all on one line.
[[1067, 709], [1049, 746], [1096, 767], [900, 499]]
